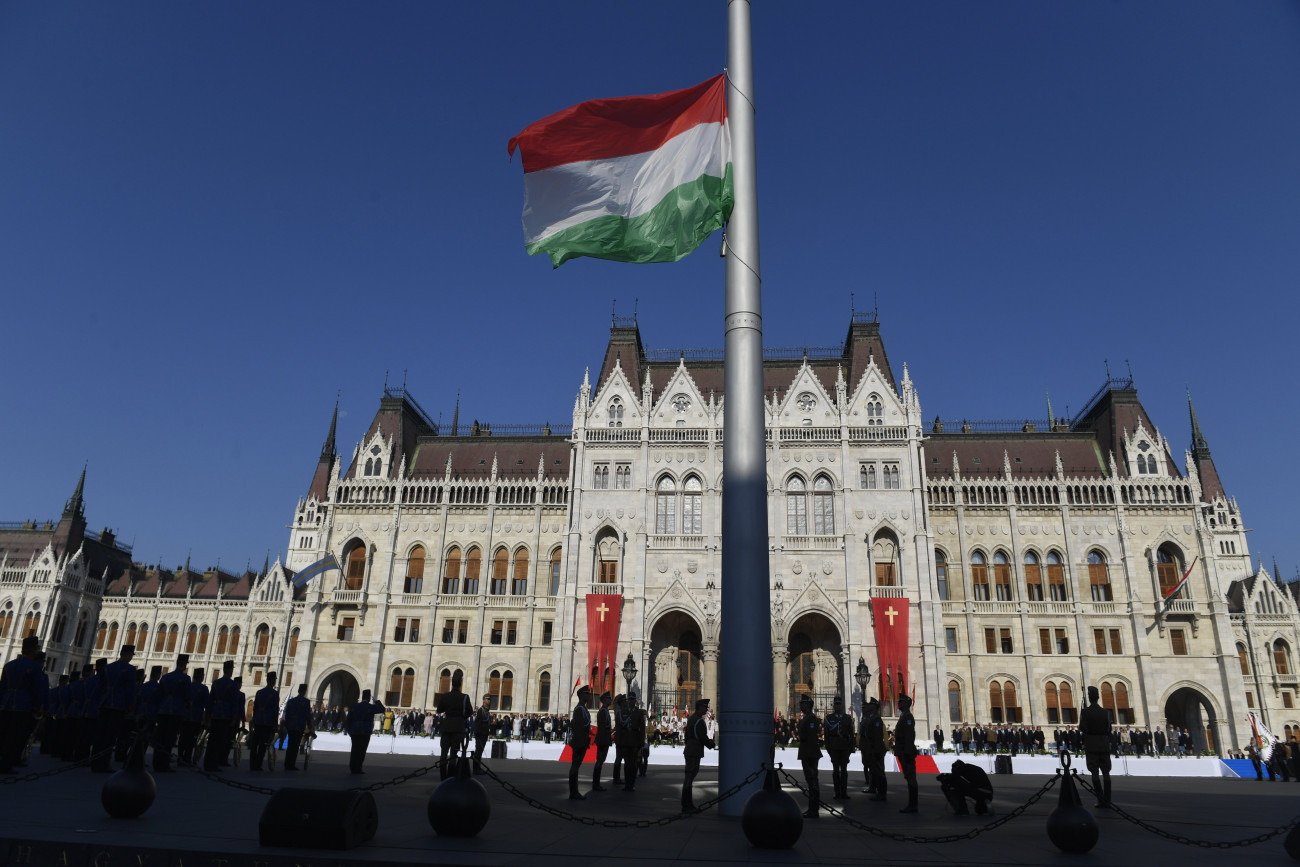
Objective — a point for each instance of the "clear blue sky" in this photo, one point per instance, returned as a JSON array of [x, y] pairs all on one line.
[[216, 216]]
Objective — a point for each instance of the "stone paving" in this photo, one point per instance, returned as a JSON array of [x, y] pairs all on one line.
[[195, 821]]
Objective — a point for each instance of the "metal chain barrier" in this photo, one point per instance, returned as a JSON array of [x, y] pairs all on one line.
[[62, 769], [1189, 841], [946, 838], [396, 781], [622, 823], [263, 790]]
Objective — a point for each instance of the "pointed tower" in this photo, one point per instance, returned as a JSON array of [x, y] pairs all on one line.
[[72, 524], [1211, 487], [455, 418], [320, 480], [76, 507]]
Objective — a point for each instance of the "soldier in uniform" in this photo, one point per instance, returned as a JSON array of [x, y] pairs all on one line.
[[361, 723], [455, 709], [622, 719], [221, 716], [266, 714], [297, 722], [52, 742], [1094, 723], [194, 717], [23, 691], [697, 738], [840, 744], [579, 740], [90, 704], [634, 738], [810, 728], [119, 694], [905, 749], [871, 738], [482, 728], [71, 733], [604, 739], [175, 691]]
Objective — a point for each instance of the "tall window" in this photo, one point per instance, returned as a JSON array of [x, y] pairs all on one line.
[[223, 640], [892, 480], [130, 634], [1033, 578], [1060, 703], [203, 639], [1281, 657], [616, 413], [293, 642], [666, 507], [1002, 576], [451, 572], [1243, 659], [191, 638], [555, 572], [1169, 571], [173, 635], [401, 686], [544, 692], [692, 507], [1178, 642], [954, 702], [501, 686], [823, 507], [600, 477], [31, 623], [941, 573], [979, 576], [607, 553], [356, 568], [263, 637], [875, 411], [101, 635], [7, 621], [473, 563], [884, 555], [1056, 577], [415, 571], [1098, 578], [234, 641], [160, 640], [500, 573], [796, 507], [1002, 702], [347, 628], [519, 575], [623, 476], [867, 477]]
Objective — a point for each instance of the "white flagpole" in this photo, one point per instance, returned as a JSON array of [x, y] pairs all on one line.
[[745, 702]]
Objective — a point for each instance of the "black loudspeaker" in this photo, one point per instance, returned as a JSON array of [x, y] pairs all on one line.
[[318, 819]]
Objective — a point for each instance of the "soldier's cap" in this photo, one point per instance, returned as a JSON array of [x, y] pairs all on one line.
[[31, 644], [839, 701], [457, 677], [182, 660], [228, 666], [584, 688], [620, 699], [702, 704], [873, 700], [155, 671], [128, 648], [605, 697], [487, 696], [101, 663], [807, 699]]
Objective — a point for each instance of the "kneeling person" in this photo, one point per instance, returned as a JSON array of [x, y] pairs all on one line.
[[966, 781]]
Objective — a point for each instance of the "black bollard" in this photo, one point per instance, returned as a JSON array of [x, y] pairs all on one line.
[[460, 806], [771, 818], [1071, 828], [131, 791]]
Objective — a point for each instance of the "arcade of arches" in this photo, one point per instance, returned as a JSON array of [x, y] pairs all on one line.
[[809, 664], [682, 669]]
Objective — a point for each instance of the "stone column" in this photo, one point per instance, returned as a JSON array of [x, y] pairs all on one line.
[[710, 687], [780, 675]]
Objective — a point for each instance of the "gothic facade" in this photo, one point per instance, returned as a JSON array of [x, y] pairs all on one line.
[[1026, 561]]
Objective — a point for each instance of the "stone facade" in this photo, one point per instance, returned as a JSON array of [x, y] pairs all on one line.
[[1030, 559]]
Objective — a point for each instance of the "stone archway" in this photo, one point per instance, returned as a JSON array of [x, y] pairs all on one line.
[[339, 689], [814, 663], [676, 663], [1188, 708]]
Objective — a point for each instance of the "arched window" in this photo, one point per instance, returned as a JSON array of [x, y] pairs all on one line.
[[979, 576], [203, 640], [500, 690], [544, 692], [356, 568], [451, 573], [369, 466], [1002, 702], [875, 410], [500, 573], [954, 702], [473, 563], [112, 636], [234, 641], [101, 635], [293, 644], [995, 701], [941, 576], [823, 507], [555, 572], [796, 507], [871, 477], [1108, 700], [616, 413], [1060, 703], [1243, 658], [263, 637], [1056, 578], [223, 640], [1169, 571], [1067, 703], [401, 686], [31, 623], [1281, 657], [160, 640], [415, 571], [692, 507], [1033, 578], [1053, 703], [519, 574], [60, 625], [7, 621], [173, 635], [666, 507], [130, 635], [191, 638], [142, 643], [1002, 576], [1098, 577], [884, 555], [1123, 712]]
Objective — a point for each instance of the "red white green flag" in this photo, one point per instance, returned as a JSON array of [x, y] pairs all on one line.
[[632, 179]]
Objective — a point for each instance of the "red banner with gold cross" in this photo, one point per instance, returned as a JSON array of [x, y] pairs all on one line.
[[891, 617], [603, 614]]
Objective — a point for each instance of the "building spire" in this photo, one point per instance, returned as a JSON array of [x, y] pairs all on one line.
[[76, 505], [455, 418], [1200, 448], [327, 451]]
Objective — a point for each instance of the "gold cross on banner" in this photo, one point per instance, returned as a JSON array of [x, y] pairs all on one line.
[[890, 613], [604, 608]]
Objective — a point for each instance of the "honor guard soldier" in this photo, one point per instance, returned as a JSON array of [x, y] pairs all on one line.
[[221, 717], [175, 691], [840, 743], [297, 722], [119, 694], [90, 704], [905, 749], [1094, 723], [638, 737], [604, 739], [631, 730], [55, 714], [266, 713], [697, 739], [146, 702], [72, 715], [871, 738], [482, 728], [455, 709], [579, 740], [23, 691], [620, 713], [361, 723], [810, 729], [192, 724]]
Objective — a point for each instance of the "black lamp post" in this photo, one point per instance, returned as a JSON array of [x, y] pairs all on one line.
[[629, 672], [863, 676]]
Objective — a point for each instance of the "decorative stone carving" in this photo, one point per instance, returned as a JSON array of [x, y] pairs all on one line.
[[691, 566], [797, 567], [827, 566]]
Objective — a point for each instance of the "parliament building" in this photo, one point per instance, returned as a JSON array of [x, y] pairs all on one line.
[[1018, 562]]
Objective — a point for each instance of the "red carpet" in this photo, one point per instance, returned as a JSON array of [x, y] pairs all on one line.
[[567, 754]]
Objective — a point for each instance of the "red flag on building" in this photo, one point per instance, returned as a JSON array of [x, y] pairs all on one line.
[[891, 617], [603, 614]]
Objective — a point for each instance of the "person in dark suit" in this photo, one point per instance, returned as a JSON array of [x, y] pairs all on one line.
[[361, 723], [119, 693], [175, 691], [23, 690], [871, 738], [966, 781], [579, 740], [297, 722], [266, 714], [938, 738], [634, 738], [840, 743], [696, 732], [482, 727], [1094, 723], [454, 706], [604, 739], [810, 728], [221, 716], [905, 749]]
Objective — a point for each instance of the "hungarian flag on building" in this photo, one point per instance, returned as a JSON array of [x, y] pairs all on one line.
[[632, 179]]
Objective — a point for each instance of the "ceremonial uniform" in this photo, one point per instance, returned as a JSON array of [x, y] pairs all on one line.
[[455, 709], [872, 741], [23, 692], [1094, 723], [482, 728], [71, 734], [905, 750], [192, 724], [633, 740], [361, 724], [697, 739], [840, 745], [266, 713], [175, 691], [579, 740], [91, 699], [221, 722], [297, 720], [119, 694], [810, 753], [604, 739]]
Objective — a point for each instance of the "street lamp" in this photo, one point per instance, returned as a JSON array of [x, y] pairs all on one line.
[[629, 672], [863, 676]]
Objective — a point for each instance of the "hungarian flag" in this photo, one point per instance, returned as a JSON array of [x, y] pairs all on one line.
[[1180, 584], [632, 179]]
